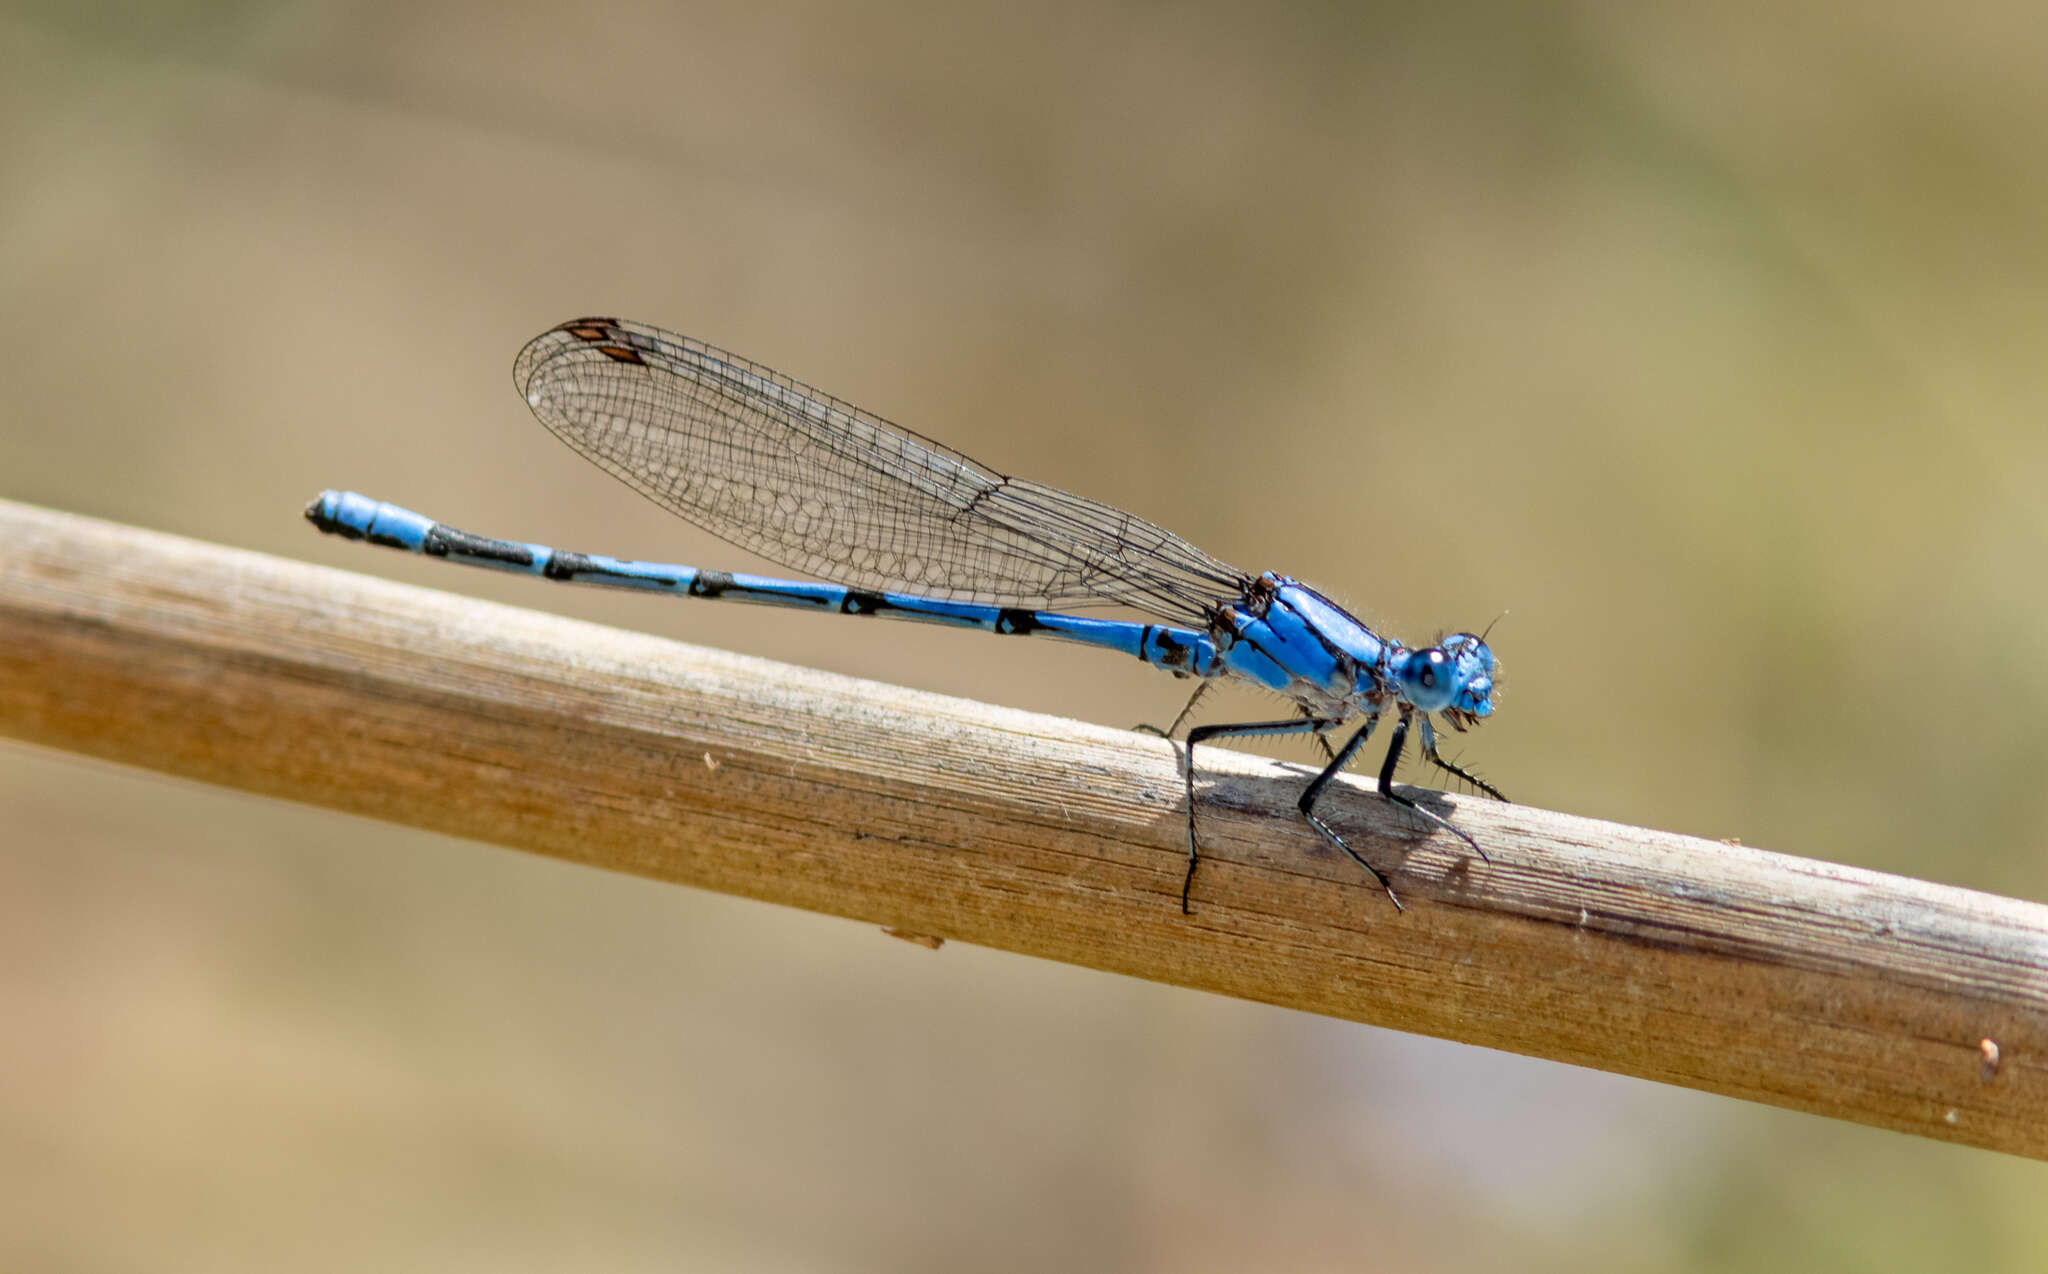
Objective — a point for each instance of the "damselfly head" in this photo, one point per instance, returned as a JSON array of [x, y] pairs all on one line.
[[1454, 677]]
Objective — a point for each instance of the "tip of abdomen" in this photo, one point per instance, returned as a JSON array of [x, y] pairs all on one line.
[[324, 512]]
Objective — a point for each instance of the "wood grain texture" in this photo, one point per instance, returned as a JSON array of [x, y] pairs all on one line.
[[1848, 993]]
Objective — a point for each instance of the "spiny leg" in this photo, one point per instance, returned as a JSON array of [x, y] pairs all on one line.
[[1180, 720], [1187, 711], [1322, 740], [1200, 733], [1431, 755], [1307, 803], [1394, 746]]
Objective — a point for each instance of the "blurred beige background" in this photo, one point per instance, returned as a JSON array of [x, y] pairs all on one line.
[[1704, 340]]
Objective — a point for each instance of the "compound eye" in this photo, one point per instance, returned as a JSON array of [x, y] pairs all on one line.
[[1426, 679]]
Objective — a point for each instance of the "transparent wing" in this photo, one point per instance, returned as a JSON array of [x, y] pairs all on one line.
[[827, 489]]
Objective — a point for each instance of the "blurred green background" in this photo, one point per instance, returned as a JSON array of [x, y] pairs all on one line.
[[1704, 340]]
